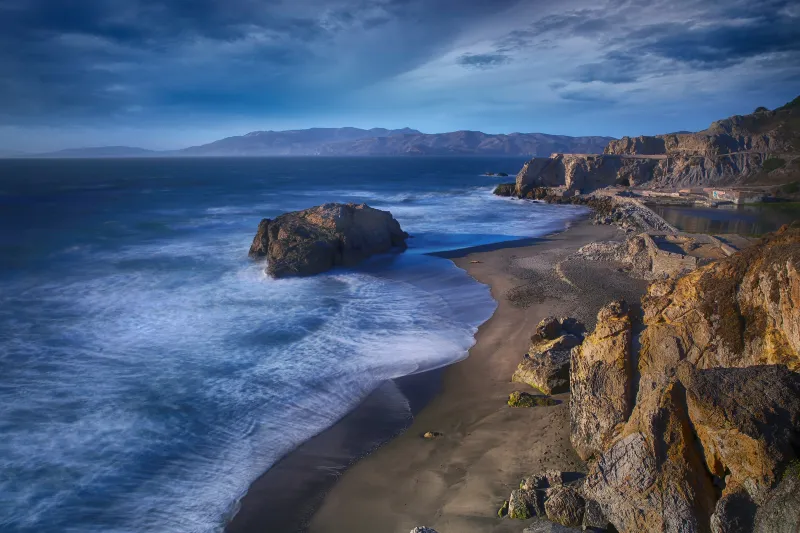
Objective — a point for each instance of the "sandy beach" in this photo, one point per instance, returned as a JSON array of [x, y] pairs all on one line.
[[457, 482]]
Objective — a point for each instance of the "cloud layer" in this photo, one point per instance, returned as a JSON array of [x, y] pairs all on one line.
[[180, 71]]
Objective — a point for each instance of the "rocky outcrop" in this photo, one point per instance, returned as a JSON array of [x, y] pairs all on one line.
[[716, 421], [260, 245], [601, 381], [728, 152], [546, 365], [308, 242], [740, 311], [781, 512], [565, 506], [652, 476], [747, 421], [505, 189], [585, 173]]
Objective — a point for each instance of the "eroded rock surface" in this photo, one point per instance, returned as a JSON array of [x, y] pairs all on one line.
[[715, 422], [564, 505], [601, 381], [781, 512], [546, 365], [728, 152], [309, 242]]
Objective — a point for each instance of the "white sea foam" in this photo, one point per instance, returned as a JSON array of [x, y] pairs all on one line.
[[148, 388]]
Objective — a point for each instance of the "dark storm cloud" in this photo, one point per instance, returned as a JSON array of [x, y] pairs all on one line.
[[99, 58], [722, 35], [724, 43], [162, 64], [482, 60]]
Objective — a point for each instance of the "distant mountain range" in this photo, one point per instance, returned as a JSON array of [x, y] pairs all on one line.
[[359, 142]]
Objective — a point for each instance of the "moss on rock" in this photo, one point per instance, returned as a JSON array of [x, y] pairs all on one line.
[[524, 399]]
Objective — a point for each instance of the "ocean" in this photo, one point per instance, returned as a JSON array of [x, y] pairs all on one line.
[[150, 371]]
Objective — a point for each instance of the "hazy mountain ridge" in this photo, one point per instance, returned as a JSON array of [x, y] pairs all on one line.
[[358, 142], [468, 143]]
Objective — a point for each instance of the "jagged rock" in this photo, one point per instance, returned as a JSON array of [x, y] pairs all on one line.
[[601, 381], [748, 421], [543, 526], [303, 243], [735, 513], [717, 398], [781, 511], [565, 506], [740, 311], [524, 399], [521, 504], [652, 477], [423, 529], [261, 240], [549, 328], [546, 365], [535, 487], [729, 151], [547, 372], [505, 189], [593, 516]]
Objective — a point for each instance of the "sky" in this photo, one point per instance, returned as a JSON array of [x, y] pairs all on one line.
[[174, 73]]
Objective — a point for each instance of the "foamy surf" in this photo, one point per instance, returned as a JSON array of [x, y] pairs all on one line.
[[150, 371]]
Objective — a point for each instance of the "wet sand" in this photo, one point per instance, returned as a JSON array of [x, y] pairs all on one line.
[[457, 482]]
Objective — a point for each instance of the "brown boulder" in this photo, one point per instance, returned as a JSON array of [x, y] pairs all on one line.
[[601, 381], [740, 311], [546, 365], [304, 243], [564, 506], [781, 512], [747, 420], [261, 240], [652, 477], [735, 513]]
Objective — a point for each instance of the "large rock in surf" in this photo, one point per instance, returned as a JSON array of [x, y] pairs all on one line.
[[304, 243]]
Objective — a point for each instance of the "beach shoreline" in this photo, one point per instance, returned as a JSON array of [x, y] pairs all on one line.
[[456, 483], [292, 496]]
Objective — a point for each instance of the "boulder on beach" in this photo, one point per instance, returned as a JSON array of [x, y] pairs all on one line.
[[304, 243], [546, 365]]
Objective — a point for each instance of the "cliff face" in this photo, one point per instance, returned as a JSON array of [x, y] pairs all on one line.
[[730, 151], [716, 419]]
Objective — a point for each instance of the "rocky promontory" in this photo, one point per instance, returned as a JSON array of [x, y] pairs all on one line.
[[762, 147], [308, 242]]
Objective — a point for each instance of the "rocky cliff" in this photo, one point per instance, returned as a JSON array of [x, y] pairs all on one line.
[[700, 427], [762, 147], [304, 243]]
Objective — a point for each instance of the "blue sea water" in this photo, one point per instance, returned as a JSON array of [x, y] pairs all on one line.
[[149, 371]]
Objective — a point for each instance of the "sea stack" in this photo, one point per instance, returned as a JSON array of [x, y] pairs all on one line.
[[312, 241]]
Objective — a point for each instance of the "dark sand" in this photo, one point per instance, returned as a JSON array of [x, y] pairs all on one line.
[[456, 483]]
